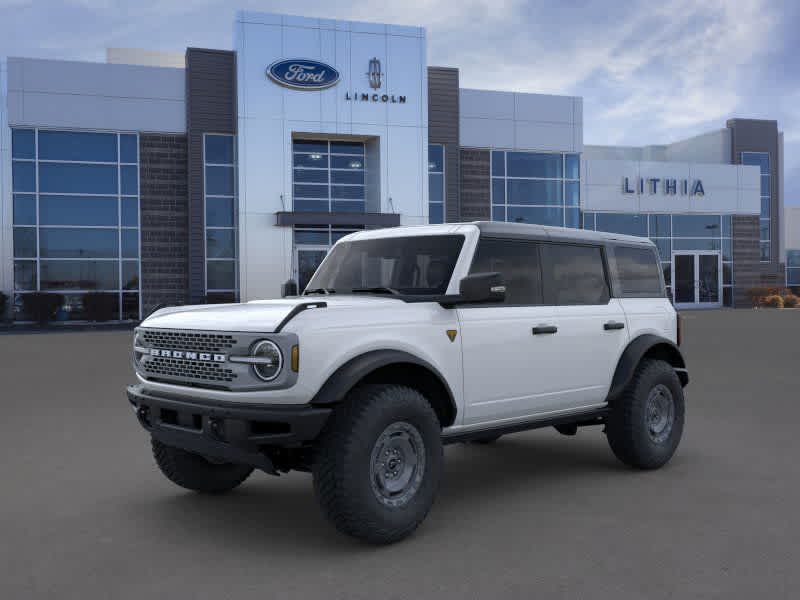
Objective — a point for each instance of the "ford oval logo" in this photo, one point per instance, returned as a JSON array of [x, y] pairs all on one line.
[[303, 74]]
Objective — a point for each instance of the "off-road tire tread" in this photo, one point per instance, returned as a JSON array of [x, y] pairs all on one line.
[[333, 479], [628, 440], [195, 473]]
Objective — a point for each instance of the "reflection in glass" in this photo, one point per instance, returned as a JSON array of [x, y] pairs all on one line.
[[77, 210], [219, 181], [220, 243], [219, 212], [24, 209], [219, 149], [532, 164], [25, 275], [531, 191], [25, 242], [79, 275], [68, 178], [221, 274], [55, 242], [78, 146]]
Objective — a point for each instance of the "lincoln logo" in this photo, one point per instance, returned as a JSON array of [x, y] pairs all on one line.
[[187, 355], [374, 74], [301, 74]]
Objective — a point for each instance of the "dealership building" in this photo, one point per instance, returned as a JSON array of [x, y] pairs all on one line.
[[217, 175]]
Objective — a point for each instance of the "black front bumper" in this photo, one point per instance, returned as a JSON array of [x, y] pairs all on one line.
[[237, 433]]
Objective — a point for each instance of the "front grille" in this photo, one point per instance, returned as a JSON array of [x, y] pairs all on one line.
[[188, 369], [181, 340]]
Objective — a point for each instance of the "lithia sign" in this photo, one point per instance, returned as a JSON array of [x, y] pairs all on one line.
[[667, 186], [306, 74]]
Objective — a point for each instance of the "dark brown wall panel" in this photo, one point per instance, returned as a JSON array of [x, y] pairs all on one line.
[[443, 129], [475, 199], [210, 108]]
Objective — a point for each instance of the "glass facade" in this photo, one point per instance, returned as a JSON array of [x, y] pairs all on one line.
[[793, 268], [761, 160], [328, 176], [436, 183], [674, 233], [219, 159], [76, 218], [536, 187]]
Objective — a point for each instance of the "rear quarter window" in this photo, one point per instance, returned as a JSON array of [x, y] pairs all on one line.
[[638, 272]]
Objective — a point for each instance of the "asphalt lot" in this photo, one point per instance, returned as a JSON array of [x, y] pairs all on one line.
[[84, 513]]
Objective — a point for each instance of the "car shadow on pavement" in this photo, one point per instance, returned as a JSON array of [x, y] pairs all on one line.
[[271, 515]]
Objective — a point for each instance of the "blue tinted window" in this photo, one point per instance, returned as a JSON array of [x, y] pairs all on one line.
[[793, 258], [130, 212], [220, 243], [310, 146], [524, 191], [129, 180], [572, 217], [573, 166], [628, 224], [660, 226], [572, 189], [310, 191], [759, 159], [530, 164], [311, 205], [219, 212], [130, 275], [320, 161], [696, 225], [221, 274], [498, 191], [25, 242], [128, 149], [23, 143], [347, 192], [78, 243], [498, 163], [435, 158], [347, 148], [727, 249], [498, 213], [764, 229], [696, 244], [317, 238], [337, 162], [436, 187], [537, 215], [23, 176], [793, 277], [219, 149], [726, 226], [588, 221], [130, 243], [77, 179], [766, 251], [315, 175], [348, 206], [24, 209], [765, 207], [765, 185], [80, 275], [357, 177], [664, 246], [73, 145], [24, 275], [77, 210], [436, 213], [219, 181]]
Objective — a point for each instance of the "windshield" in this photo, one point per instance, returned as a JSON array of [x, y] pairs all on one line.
[[396, 265]]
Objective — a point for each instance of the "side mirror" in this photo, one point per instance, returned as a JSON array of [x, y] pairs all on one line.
[[482, 287]]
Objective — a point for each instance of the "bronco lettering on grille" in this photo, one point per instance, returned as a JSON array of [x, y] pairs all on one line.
[[204, 356]]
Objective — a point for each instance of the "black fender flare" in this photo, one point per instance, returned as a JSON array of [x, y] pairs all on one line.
[[647, 344], [350, 373]]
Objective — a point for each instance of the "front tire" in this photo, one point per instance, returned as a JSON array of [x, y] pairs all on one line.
[[378, 463], [645, 425], [193, 472]]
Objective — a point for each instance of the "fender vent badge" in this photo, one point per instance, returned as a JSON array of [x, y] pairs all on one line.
[[452, 333]]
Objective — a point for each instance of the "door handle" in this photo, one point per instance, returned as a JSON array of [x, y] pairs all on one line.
[[539, 329], [613, 325]]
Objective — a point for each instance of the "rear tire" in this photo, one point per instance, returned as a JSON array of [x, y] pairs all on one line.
[[378, 463], [193, 472], [645, 424]]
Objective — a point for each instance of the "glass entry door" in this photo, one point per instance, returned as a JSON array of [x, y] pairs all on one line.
[[697, 279]]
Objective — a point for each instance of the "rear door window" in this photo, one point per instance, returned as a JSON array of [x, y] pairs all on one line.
[[574, 274], [517, 262], [638, 272]]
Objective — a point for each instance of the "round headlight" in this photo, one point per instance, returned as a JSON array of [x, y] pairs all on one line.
[[271, 360]]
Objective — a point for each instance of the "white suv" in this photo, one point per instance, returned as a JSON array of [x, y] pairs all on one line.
[[407, 339]]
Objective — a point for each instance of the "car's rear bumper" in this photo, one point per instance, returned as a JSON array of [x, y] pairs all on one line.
[[224, 431]]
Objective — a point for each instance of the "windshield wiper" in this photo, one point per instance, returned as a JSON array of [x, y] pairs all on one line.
[[376, 290], [323, 290]]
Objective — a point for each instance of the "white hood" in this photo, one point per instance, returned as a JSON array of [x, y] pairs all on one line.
[[259, 316]]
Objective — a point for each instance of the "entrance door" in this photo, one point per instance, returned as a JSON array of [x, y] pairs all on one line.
[[307, 261], [697, 279]]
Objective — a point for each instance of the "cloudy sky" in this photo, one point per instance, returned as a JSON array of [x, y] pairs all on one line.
[[649, 72]]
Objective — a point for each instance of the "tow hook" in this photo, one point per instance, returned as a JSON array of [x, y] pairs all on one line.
[[143, 414], [216, 428]]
